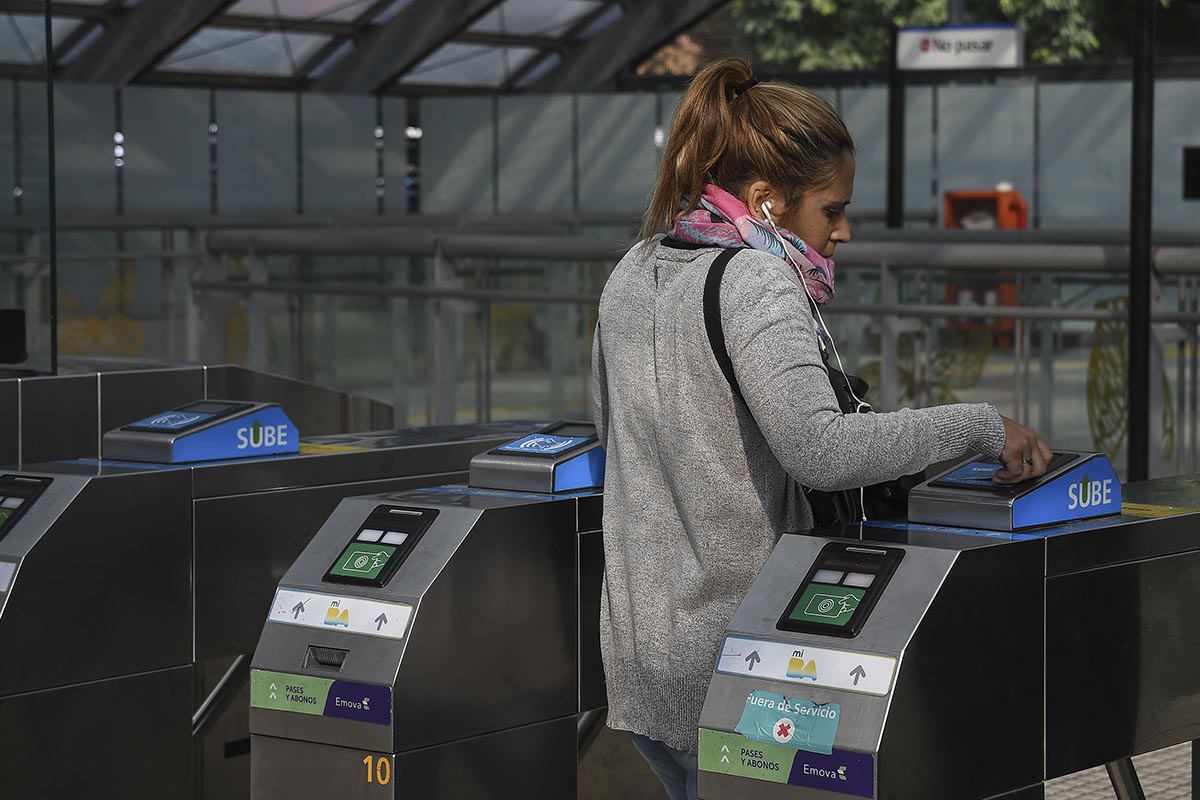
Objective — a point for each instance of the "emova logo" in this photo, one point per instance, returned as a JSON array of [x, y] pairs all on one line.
[[258, 435], [1089, 494]]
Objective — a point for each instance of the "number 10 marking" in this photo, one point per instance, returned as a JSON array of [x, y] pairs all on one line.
[[383, 769]]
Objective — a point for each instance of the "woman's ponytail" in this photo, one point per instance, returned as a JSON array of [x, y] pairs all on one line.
[[729, 129], [700, 130]]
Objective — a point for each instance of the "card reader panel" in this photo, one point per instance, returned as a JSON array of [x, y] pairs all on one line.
[[380, 545], [978, 473], [551, 442], [187, 417], [842, 586]]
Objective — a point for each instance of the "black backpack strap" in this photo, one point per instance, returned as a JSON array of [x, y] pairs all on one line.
[[712, 317]]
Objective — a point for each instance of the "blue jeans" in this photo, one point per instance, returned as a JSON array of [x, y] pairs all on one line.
[[677, 770]]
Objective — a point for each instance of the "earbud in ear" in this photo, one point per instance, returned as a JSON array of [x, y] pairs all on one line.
[[769, 204], [766, 209]]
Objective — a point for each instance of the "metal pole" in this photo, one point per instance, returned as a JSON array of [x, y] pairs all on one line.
[[957, 11], [895, 151], [1195, 772], [52, 211], [1124, 777], [1140, 234]]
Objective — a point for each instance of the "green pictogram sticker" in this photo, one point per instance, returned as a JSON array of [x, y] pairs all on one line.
[[362, 560], [828, 605]]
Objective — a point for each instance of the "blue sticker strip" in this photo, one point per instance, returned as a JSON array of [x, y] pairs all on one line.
[[791, 722], [1019, 536]]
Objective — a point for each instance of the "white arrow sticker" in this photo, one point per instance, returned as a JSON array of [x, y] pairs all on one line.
[[338, 612], [799, 663]]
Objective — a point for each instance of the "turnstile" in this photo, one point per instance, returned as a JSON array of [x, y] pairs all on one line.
[[944, 662], [442, 642], [131, 595]]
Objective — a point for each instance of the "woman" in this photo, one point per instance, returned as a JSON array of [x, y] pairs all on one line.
[[703, 477]]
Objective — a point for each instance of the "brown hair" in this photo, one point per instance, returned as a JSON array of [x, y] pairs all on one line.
[[770, 131]]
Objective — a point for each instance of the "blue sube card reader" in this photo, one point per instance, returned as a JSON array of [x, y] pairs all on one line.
[[1077, 485], [207, 430]]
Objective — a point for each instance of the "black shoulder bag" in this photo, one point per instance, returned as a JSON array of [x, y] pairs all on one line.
[[882, 500]]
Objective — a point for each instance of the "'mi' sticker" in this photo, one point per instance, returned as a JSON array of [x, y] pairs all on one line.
[[791, 722]]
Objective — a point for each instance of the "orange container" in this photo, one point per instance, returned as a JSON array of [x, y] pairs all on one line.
[[988, 209]]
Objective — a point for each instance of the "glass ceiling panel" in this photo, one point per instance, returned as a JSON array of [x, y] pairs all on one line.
[[534, 17], [87, 40], [341, 51], [23, 36], [241, 52], [391, 11], [548, 62], [325, 10], [610, 15], [458, 64]]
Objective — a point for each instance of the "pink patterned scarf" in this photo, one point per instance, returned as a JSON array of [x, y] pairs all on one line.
[[723, 220]]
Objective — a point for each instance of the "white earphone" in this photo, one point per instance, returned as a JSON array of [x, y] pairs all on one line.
[[766, 209]]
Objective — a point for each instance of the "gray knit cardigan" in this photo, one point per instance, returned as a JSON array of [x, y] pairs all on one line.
[[699, 486]]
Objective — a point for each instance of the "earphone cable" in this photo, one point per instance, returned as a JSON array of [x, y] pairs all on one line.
[[862, 504]]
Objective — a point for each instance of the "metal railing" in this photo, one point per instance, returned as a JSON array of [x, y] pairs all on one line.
[[465, 271]]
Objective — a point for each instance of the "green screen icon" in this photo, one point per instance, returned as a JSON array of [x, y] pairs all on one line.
[[827, 605], [362, 560], [5, 513]]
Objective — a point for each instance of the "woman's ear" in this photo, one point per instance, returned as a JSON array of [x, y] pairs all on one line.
[[756, 194]]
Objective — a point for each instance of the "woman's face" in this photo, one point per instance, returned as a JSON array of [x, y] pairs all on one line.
[[820, 217]]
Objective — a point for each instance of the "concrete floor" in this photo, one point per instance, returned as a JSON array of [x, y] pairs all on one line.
[[1165, 775]]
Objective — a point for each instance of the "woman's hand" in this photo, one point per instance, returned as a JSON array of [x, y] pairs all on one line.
[[1024, 456]]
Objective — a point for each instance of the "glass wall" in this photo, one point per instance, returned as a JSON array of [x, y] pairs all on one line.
[[149, 175]]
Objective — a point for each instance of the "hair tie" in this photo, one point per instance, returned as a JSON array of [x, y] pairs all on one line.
[[742, 88]]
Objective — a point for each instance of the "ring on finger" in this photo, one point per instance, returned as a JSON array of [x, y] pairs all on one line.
[[1027, 461]]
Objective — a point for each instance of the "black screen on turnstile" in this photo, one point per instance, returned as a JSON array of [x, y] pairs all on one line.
[[380, 545], [17, 493], [842, 586]]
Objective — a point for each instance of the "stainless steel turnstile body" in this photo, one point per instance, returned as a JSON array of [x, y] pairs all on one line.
[[128, 594], [499, 659], [991, 663]]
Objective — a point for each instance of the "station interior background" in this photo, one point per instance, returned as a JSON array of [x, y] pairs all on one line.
[[419, 201]]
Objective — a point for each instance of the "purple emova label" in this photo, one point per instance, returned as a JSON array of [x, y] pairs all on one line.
[[842, 771], [360, 702]]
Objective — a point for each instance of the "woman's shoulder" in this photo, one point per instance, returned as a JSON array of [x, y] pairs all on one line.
[[754, 270]]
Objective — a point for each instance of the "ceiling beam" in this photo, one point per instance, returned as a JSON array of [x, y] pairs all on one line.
[[139, 38], [644, 27], [512, 40], [407, 38], [252, 23], [56, 9]]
